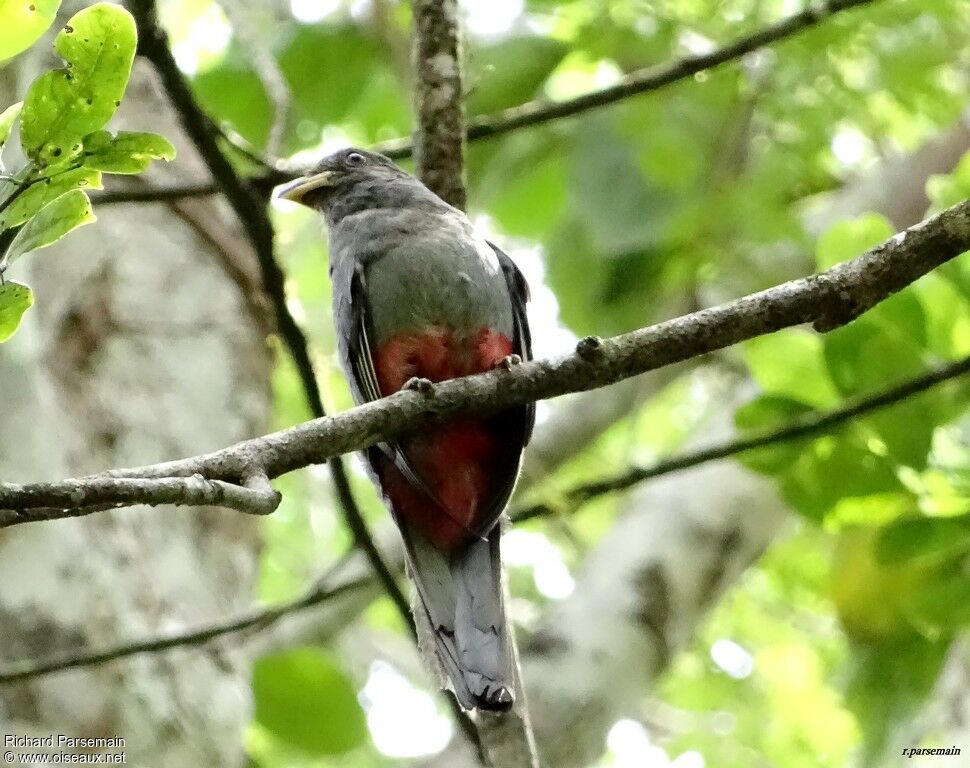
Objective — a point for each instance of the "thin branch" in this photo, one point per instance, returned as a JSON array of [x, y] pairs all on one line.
[[541, 111], [654, 78], [110, 492], [807, 425], [828, 299], [254, 218], [267, 69], [259, 619], [164, 193]]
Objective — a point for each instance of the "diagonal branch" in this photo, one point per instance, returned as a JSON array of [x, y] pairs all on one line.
[[258, 619], [654, 78], [251, 210], [827, 299], [807, 425], [542, 111]]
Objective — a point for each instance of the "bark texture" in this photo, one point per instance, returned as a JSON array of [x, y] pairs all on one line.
[[439, 142]]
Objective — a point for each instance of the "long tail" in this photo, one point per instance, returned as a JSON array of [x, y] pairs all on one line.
[[461, 596]]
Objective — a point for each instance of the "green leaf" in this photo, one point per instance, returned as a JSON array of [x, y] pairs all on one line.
[[303, 698], [886, 345], [45, 190], [941, 607], [833, 469], [924, 538], [888, 684], [65, 105], [52, 222], [620, 209], [128, 152], [792, 364], [22, 22], [874, 510], [15, 299], [764, 413], [511, 71], [7, 118], [848, 239]]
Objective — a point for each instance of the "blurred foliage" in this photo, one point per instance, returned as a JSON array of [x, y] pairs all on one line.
[[304, 700], [639, 211]]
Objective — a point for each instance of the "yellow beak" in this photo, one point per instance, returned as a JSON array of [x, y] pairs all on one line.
[[297, 189]]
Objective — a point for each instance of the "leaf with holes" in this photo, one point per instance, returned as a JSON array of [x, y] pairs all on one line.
[[15, 299], [52, 222], [45, 190], [128, 152], [22, 22], [65, 105]]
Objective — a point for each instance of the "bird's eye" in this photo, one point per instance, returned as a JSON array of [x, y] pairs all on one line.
[[355, 158]]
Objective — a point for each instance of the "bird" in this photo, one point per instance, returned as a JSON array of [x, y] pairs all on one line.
[[419, 298]]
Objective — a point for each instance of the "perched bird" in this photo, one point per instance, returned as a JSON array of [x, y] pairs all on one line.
[[418, 297]]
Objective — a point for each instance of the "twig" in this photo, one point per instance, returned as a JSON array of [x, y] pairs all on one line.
[[257, 619], [642, 81], [655, 78], [253, 216], [195, 490], [827, 299], [163, 193], [803, 426], [267, 70]]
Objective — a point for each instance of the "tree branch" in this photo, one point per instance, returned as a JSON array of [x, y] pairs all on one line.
[[254, 218], [439, 137], [807, 425], [542, 111], [827, 299]]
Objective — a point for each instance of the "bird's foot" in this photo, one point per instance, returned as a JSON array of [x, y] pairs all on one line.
[[417, 384], [507, 363]]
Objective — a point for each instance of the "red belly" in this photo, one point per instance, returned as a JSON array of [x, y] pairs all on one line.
[[457, 461]]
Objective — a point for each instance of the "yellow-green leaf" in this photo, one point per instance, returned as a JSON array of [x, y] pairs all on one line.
[[65, 105], [128, 152], [45, 190], [22, 22], [15, 299], [50, 224], [305, 700], [7, 118]]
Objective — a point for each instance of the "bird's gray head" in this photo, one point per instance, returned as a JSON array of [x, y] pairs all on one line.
[[353, 180]]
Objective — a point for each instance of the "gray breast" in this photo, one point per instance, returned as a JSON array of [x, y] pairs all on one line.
[[434, 276]]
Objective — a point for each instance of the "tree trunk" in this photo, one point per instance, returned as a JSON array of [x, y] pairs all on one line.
[[146, 343]]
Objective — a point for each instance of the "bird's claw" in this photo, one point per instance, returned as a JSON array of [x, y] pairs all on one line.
[[507, 363], [417, 384]]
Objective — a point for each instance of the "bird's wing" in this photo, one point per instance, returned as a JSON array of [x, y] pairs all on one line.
[[361, 360], [359, 348], [519, 294]]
